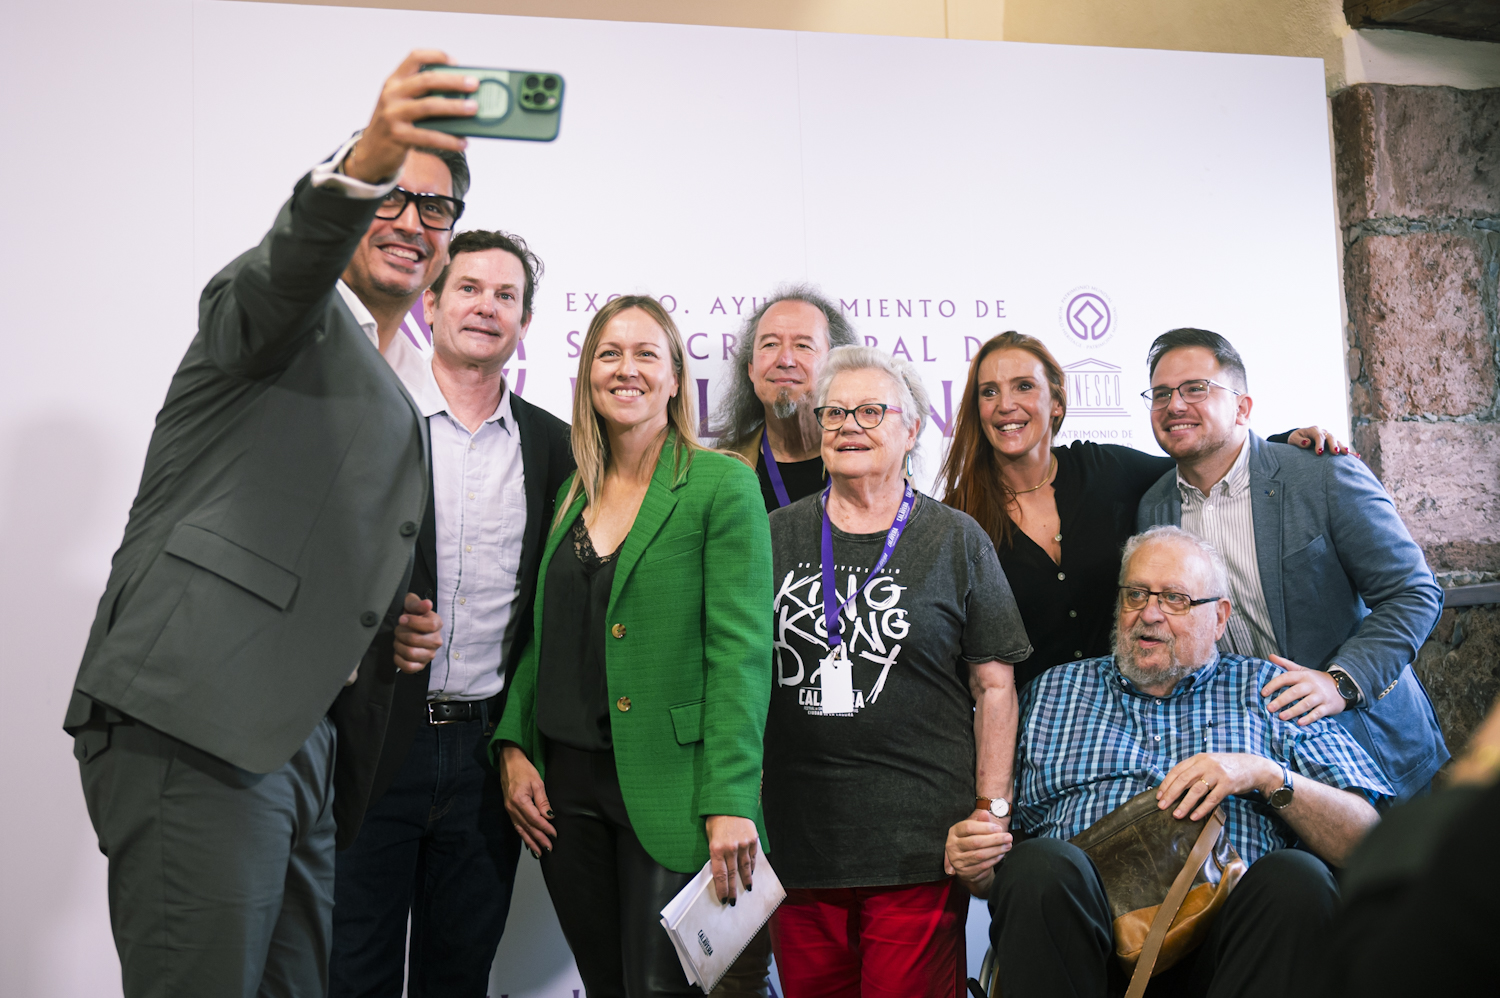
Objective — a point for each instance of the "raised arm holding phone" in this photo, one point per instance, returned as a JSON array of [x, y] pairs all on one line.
[[264, 558]]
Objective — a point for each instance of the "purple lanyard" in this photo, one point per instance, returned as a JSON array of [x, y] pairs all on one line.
[[774, 472], [832, 605]]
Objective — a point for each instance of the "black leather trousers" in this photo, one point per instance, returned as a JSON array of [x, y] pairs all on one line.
[[607, 890]]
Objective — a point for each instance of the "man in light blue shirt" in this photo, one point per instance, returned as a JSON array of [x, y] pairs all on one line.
[[436, 843]]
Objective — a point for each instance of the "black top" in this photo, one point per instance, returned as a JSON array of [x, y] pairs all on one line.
[[572, 701], [1069, 608], [865, 796], [801, 478]]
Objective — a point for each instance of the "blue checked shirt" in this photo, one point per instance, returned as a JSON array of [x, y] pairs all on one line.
[[1090, 741]]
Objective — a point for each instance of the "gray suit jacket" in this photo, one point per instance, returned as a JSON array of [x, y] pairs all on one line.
[[276, 516], [1345, 585]]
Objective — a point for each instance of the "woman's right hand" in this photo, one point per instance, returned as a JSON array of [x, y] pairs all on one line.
[[526, 800], [974, 848]]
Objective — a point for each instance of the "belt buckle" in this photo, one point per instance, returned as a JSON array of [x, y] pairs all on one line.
[[431, 719]]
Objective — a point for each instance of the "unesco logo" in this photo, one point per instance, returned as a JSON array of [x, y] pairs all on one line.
[[1088, 316]]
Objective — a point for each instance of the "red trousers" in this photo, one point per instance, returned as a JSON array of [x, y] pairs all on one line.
[[872, 942]]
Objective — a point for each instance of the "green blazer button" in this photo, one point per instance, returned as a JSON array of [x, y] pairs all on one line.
[[408, 529], [618, 631], [624, 702], [369, 618]]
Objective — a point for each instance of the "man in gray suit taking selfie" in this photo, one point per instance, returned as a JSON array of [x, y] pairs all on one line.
[[266, 553]]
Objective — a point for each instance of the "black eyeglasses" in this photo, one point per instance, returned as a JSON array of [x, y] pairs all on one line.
[[1192, 392], [1170, 602], [868, 416], [436, 211]]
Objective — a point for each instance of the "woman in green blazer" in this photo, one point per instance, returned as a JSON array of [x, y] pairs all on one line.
[[641, 699]]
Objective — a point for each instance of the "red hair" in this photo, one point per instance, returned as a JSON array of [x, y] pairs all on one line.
[[971, 473]]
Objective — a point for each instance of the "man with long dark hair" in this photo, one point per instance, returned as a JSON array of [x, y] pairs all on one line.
[[767, 414]]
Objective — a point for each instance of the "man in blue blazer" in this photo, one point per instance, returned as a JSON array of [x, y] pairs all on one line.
[[1325, 579]]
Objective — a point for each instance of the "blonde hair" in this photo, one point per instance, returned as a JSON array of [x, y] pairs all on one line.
[[590, 443]]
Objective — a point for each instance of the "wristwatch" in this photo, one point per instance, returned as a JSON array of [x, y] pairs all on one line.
[[1347, 687], [998, 806], [1281, 798]]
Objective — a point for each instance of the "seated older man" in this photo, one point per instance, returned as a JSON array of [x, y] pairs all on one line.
[[1166, 710]]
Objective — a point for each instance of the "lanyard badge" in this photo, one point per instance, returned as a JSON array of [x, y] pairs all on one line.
[[835, 670]]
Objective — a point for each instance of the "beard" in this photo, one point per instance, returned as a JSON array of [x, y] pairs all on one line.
[[1140, 676], [786, 404]]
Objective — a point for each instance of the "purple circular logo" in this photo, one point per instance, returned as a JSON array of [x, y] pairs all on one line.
[[1088, 316]]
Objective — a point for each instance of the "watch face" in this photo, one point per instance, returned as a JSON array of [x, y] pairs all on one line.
[[1281, 798], [1000, 807]]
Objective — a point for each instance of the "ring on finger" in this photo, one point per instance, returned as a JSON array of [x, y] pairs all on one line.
[[1205, 783]]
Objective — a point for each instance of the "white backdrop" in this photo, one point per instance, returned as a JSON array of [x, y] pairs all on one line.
[[942, 191]]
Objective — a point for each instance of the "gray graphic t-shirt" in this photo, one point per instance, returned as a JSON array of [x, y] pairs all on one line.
[[865, 798]]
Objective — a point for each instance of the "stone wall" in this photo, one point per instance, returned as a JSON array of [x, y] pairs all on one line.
[[1418, 171], [1460, 666], [1419, 203]]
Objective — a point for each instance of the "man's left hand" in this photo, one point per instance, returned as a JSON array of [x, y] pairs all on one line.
[[1204, 780], [1306, 694]]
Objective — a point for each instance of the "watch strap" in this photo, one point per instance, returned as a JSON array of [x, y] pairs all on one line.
[[1282, 797], [1347, 687]]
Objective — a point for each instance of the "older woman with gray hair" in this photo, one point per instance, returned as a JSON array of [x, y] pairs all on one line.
[[893, 713]]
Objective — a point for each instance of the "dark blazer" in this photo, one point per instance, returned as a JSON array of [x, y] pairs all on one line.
[[1346, 585], [277, 512], [547, 455]]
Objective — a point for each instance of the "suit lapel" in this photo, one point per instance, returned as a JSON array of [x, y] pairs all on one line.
[[534, 463], [1266, 495], [1168, 512], [350, 328], [427, 540], [554, 538], [660, 497]]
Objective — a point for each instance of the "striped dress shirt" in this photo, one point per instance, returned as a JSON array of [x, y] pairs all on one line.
[[1090, 741], [1224, 519]]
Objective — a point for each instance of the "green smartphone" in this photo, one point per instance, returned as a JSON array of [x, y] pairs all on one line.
[[513, 104]]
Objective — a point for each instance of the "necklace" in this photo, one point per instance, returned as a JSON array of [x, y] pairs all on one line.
[[1045, 479]]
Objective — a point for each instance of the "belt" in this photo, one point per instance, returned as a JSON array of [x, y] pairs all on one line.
[[454, 711]]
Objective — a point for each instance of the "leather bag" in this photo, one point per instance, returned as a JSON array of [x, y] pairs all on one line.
[[1165, 879]]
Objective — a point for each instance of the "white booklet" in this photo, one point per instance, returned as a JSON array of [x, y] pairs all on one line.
[[709, 935]]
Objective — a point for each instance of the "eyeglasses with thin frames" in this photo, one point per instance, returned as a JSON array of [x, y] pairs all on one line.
[[1192, 393], [435, 211], [1132, 598], [867, 416]]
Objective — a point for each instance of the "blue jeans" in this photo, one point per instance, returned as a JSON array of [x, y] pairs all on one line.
[[439, 845]]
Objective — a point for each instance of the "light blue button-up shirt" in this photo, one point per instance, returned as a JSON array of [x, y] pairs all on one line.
[[1090, 741], [479, 500]]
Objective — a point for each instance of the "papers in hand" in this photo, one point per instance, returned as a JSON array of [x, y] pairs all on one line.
[[709, 935]]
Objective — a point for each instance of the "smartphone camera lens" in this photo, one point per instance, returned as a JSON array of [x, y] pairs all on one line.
[[532, 82], [550, 83]]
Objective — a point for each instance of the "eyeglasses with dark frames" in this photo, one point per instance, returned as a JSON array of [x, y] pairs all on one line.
[[435, 211], [1192, 392], [867, 416], [1132, 598]]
